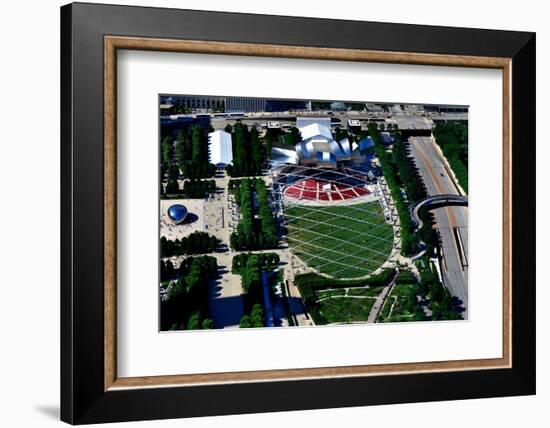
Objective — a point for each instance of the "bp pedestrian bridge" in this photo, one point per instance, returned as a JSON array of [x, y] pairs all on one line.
[[436, 200]]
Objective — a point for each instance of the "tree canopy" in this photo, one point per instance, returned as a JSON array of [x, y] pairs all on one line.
[[196, 243], [186, 302], [452, 137], [253, 233], [248, 152]]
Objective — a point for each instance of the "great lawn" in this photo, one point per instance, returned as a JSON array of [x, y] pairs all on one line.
[[344, 241]]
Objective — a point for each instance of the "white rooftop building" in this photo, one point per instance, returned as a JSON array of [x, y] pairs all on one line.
[[273, 125], [354, 123], [221, 148]]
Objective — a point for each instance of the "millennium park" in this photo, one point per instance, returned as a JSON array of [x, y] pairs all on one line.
[[282, 213]]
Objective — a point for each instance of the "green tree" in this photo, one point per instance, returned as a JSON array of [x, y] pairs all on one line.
[[255, 152], [173, 172], [207, 324], [194, 322], [257, 316], [167, 149], [180, 150], [239, 149], [245, 322], [172, 187], [296, 136], [196, 143], [252, 274]]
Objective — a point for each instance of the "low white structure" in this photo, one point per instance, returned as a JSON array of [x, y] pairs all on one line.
[[221, 148], [354, 123], [273, 125]]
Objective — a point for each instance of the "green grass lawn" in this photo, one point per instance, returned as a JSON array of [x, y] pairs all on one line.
[[341, 241], [346, 309], [399, 313]]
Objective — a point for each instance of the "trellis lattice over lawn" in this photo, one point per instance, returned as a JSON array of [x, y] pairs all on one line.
[[334, 221]]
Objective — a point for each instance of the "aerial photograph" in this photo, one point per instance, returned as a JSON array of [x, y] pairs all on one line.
[[300, 213]]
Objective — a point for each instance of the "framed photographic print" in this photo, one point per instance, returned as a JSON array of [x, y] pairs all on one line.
[[272, 213]]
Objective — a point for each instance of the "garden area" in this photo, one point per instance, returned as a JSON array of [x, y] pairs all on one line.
[[346, 309]]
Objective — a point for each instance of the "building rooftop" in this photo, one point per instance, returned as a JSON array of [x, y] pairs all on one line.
[[221, 148], [303, 121], [315, 130]]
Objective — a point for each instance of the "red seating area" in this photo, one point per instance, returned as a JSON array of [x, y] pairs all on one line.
[[313, 190]]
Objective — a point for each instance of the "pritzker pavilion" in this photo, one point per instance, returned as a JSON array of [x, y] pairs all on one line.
[[318, 147]]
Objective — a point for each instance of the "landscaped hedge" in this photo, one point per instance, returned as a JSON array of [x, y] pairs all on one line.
[[405, 277], [308, 283]]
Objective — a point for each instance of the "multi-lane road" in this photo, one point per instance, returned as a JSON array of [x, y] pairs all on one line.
[[451, 221]]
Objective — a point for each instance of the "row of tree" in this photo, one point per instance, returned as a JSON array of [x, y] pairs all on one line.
[[269, 232], [255, 319], [409, 177], [442, 304], [248, 152], [192, 154], [408, 173], [452, 137], [400, 172], [186, 303], [409, 240], [197, 322], [195, 243], [192, 189], [189, 155], [251, 274], [253, 233], [268, 261]]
